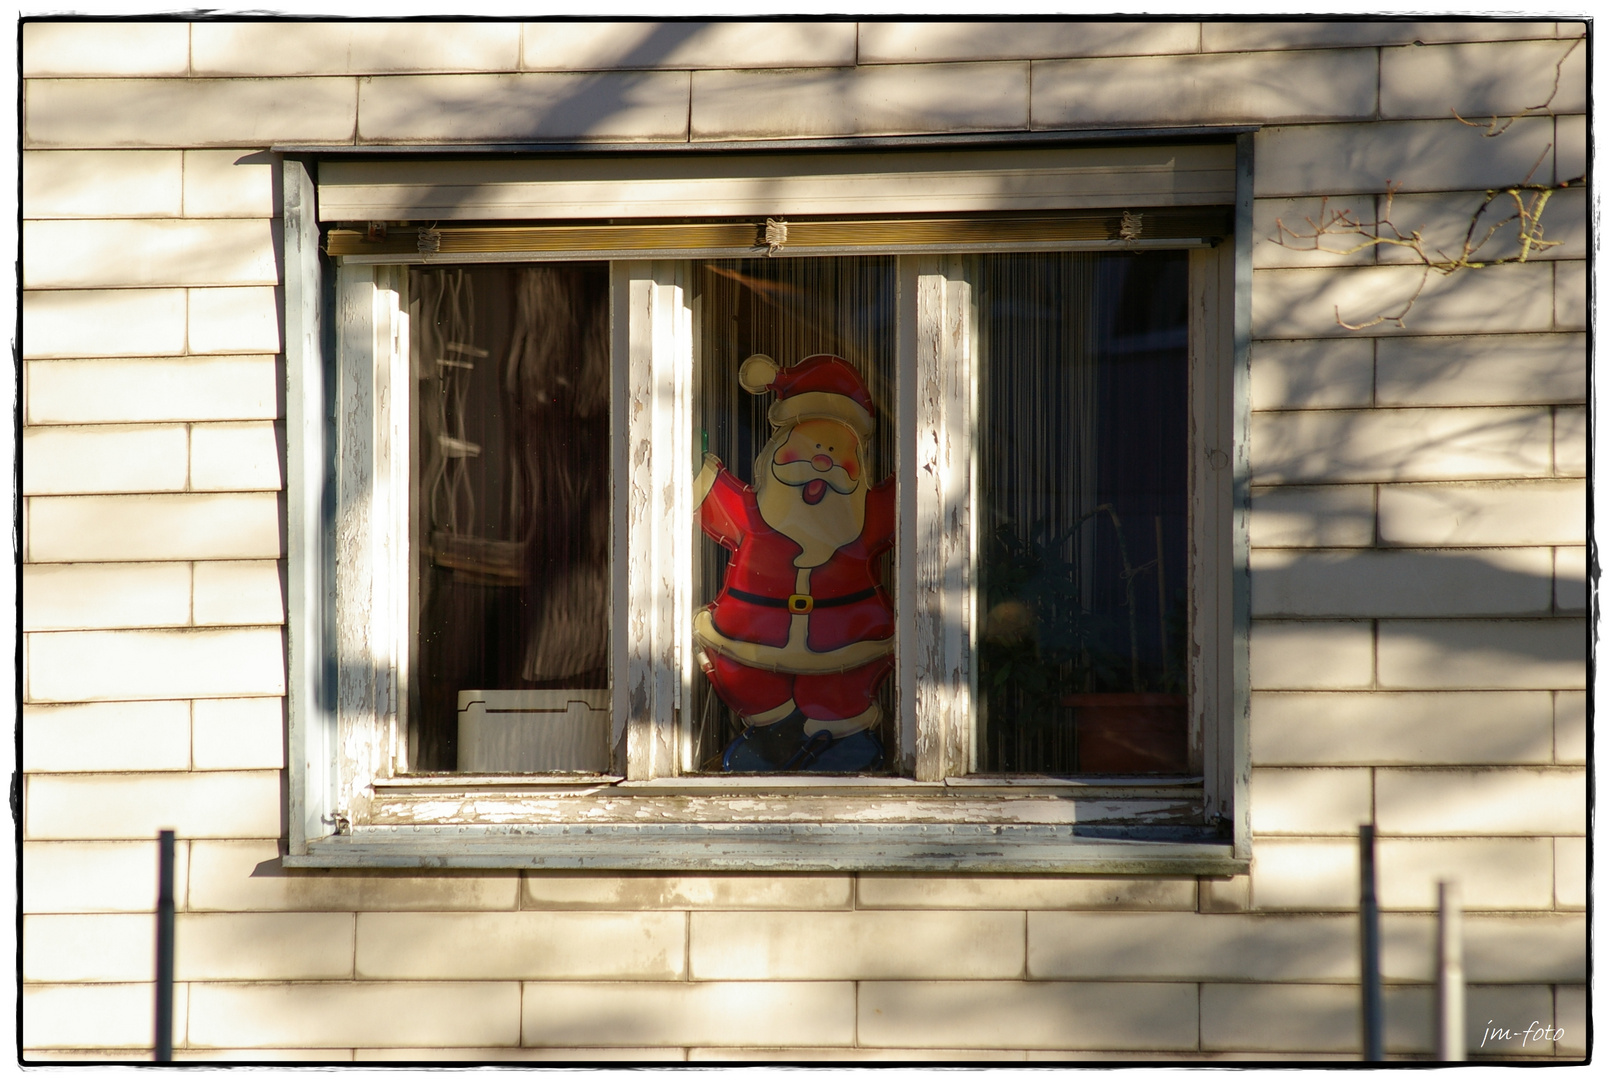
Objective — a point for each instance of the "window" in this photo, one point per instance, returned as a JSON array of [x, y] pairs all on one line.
[[879, 535]]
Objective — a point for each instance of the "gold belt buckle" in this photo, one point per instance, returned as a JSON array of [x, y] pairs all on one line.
[[801, 604]]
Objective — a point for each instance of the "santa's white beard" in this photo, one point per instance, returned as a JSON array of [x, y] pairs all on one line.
[[818, 529]]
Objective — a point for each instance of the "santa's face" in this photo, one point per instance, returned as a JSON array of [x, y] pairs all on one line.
[[812, 491]]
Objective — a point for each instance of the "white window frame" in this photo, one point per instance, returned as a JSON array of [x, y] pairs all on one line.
[[348, 522]]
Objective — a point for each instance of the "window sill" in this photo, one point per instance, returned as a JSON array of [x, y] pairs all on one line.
[[790, 846]]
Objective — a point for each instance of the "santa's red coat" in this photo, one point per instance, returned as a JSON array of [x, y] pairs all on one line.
[[762, 565]]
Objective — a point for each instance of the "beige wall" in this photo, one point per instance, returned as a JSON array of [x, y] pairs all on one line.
[[1417, 568]]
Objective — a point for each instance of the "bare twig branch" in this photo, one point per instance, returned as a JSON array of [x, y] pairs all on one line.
[[1492, 128], [1343, 232]]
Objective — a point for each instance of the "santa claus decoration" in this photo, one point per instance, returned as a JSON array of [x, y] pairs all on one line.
[[801, 635]]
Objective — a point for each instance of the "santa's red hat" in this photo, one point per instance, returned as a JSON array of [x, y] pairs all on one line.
[[819, 387]]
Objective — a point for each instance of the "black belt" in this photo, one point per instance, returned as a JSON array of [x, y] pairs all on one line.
[[801, 603]]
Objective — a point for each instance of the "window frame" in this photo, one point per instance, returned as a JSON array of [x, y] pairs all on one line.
[[345, 809]]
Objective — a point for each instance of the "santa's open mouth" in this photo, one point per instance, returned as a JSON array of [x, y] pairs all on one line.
[[814, 491]]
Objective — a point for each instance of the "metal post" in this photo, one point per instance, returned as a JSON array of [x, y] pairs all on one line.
[[1449, 972], [164, 946], [1369, 914]]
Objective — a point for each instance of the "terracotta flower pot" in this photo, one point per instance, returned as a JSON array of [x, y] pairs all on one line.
[[1131, 733]]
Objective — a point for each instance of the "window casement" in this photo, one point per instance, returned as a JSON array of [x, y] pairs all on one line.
[[527, 397]]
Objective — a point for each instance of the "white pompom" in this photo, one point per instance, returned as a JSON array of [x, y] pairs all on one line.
[[757, 373]]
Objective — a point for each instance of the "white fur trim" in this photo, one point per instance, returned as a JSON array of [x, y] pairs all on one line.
[[757, 373], [847, 726], [820, 405]]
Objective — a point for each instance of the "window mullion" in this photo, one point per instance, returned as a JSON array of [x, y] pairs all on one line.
[[657, 548], [941, 553]]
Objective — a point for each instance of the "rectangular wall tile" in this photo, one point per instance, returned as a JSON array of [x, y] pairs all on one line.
[[73, 323], [1023, 891], [1482, 80], [104, 459], [351, 48], [928, 42], [1279, 1019], [85, 596], [1501, 873], [1368, 300], [636, 891], [1570, 153], [1399, 444], [102, 183], [149, 254], [1570, 308], [509, 1053], [105, 113], [1122, 946], [1269, 87], [229, 183], [238, 733], [1570, 727], [106, 48], [1332, 516], [1314, 374], [1305, 875], [696, 1014], [239, 593], [1570, 871], [1310, 802], [237, 457], [1312, 655], [1450, 654], [263, 946], [96, 875], [131, 665], [621, 106], [601, 46], [868, 945], [1570, 1017], [1490, 802], [522, 945], [344, 1014], [1526, 948], [1444, 728], [1315, 231], [1470, 581], [1497, 512], [123, 736], [1411, 155], [138, 528], [881, 100], [234, 320], [150, 390], [1497, 369], [1336, 33], [1570, 579], [130, 806], [1045, 1015], [88, 948], [1570, 442], [246, 875], [108, 1014]]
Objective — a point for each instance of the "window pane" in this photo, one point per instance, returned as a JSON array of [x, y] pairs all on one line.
[[1082, 523], [511, 518], [794, 632]]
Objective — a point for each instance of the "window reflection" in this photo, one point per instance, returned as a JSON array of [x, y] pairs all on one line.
[[1082, 514], [511, 515]]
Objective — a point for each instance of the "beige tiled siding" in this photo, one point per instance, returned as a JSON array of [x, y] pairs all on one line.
[[1418, 569]]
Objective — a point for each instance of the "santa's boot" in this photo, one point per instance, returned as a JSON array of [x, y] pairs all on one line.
[[772, 747], [843, 746]]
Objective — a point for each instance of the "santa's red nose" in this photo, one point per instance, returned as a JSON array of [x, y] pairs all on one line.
[[822, 462]]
